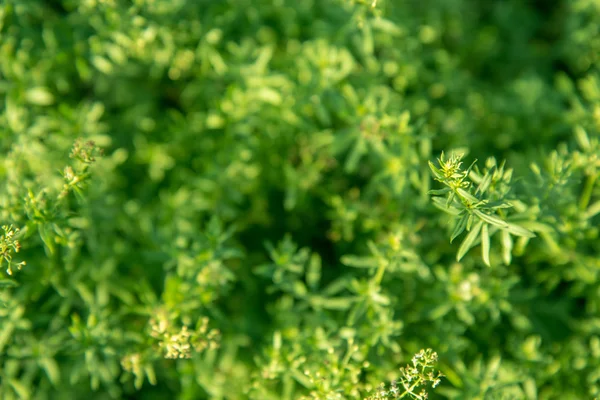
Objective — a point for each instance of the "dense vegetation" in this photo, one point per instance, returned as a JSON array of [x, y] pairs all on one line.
[[284, 199]]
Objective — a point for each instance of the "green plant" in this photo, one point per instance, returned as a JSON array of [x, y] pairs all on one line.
[[239, 199], [412, 379], [8, 245], [480, 211]]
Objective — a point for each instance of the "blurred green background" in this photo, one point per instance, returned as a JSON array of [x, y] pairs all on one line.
[[265, 166]]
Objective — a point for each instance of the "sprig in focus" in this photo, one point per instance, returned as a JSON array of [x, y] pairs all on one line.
[[8, 245], [413, 380], [478, 201]]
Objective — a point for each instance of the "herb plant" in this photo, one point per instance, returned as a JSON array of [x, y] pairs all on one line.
[[281, 199]]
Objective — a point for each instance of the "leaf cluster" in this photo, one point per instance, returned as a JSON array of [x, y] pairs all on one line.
[[240, 199]]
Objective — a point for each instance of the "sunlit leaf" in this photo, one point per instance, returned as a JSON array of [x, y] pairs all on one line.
[[485, 244], [469, 241]]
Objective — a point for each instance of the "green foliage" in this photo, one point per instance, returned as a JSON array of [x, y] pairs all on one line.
[[9, 245], [412, 379], [240, 199], [479, 211]]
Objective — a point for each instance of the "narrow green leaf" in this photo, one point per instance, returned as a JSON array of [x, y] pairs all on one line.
[[357, 152], [139, 381], [485, 182], [491, 219], [102, 64], [20, 389], [14, 114], [530, 388], [301, 378], [475, 177], [46, 235], [450, 199], [5, 283], [387, 26], [336, 287], [441, 204], [84, 292], [470, 222], [495, 205], [536, 226], [439, 192], [592, 210], [436, 172], [460, 226], [149, 370], [338, 303], [582, 138], [356, 313], [5, 334], [40, 96], [313, 272], [485, 244], [467, 196], [453, 377], [469, 241], [519, 231], [492, 367], [507, 245], [299, 288], [373, 248], [464, 314], [440, 311], [50, 366], [359, 262]]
